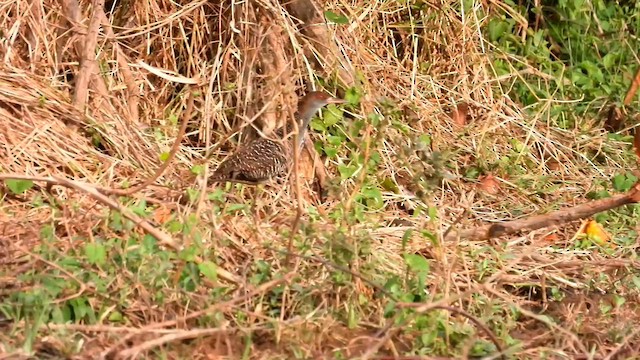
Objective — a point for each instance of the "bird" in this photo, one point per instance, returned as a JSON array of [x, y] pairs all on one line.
[[263, 159]]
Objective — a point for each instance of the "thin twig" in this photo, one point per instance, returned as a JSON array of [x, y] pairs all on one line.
[[454, 223], [182, 335], [296, 164], [388, 332]]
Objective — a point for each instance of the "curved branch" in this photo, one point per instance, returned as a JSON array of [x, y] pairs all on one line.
[[555, 218]]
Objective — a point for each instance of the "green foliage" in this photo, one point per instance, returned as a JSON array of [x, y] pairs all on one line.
[[18, 186], [164, 156], [578, 45], [209, 270], [96, 253], [624, 182], [335, 18]]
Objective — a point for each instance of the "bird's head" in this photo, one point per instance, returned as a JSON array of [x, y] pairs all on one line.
[[318, 99]]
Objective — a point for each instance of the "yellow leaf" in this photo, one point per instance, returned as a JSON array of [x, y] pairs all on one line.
[[596, 232]]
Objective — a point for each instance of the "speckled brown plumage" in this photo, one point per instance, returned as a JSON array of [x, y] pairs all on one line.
[[265, 158], [256, 162]]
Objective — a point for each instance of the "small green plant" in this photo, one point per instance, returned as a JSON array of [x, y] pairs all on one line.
[[18, 187]]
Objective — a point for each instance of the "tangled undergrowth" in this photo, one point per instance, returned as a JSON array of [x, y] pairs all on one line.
[[444, 128]]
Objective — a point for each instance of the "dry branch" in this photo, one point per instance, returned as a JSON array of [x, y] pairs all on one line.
[[88, 64], [633, 89], [134, 351], [556, 218], [316, 30]]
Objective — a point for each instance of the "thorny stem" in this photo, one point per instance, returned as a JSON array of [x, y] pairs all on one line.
[[296, 162]]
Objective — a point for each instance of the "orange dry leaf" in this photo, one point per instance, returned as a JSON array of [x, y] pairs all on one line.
[[553, 165], [596, 232], [459, 114], [161, 215], [489, 184], [551, 238]]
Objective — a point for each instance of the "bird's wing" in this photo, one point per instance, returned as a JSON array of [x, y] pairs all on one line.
[[255, 159]]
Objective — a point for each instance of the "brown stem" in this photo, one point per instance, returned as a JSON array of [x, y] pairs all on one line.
[[555, 218], [87, 59], [632, 89], [317, 32]]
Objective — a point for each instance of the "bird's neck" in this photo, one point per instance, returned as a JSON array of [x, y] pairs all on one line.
[[303, 116]]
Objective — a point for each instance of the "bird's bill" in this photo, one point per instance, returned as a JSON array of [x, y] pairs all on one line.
[[336, 101]]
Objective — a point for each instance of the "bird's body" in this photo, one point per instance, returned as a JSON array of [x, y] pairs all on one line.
[[266, 158], [248, 164]]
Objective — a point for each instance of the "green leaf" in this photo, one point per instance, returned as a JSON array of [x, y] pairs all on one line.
[[335, 140], [149, 243], [188, 254], [116, 222], [433, 213], [96, 253], [335, 18], [389, 185], [622, 182], [332, 116], [197, 169], [318, 125], [406, 238], [18, 186], [347, 171], [618, 182], [416, 263], [609, 60], [193, 194], [236, 207], [373, 196], [424, 141], [216, 195], [209, 270], [374, 119], [352, 96], [47, 233], [174, 226], [116, 316], [164, 156], [330, 151], [140, 209], [497, 28]]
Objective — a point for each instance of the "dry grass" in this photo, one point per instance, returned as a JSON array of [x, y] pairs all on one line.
[[249, 62]]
